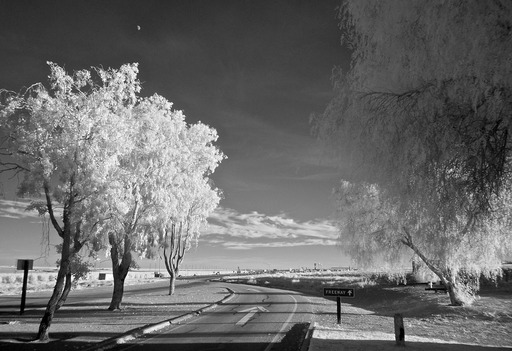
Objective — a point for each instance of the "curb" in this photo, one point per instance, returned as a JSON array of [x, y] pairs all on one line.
[[135, 333], [307, 338]]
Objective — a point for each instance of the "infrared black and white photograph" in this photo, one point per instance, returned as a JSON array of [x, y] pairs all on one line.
[[261, 175]]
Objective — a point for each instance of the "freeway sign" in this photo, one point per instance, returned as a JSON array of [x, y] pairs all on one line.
[[339, 292]]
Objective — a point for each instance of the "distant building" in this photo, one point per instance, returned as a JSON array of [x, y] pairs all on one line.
[[340, 269]]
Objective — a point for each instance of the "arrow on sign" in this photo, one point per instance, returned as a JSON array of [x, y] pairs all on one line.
[[250, 312]]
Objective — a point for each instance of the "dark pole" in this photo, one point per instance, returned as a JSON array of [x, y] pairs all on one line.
[[399, 330], [338, 300], [24, 290]]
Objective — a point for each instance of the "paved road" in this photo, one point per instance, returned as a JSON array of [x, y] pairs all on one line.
[[256, 318]]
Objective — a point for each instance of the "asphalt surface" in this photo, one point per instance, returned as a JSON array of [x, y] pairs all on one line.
[[201, 315], [255, 319]]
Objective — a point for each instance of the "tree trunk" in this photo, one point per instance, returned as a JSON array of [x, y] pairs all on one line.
[[46, 321], [65, 292], [172, 282], [63, 281], [456, 297], [117, 294], [119, 270]]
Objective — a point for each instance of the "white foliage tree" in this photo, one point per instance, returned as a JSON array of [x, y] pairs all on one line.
[[65, 140], [425, 114], [180, 230], [164, 178], [186, 195]]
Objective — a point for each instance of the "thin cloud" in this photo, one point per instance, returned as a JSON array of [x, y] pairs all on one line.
[[16, 210], [280, 244], [243, 231], [231, 243]]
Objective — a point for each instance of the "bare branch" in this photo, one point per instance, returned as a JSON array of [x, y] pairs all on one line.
[[12, 166]]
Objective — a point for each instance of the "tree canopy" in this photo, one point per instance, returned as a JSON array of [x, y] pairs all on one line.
[[163, 181], [424, 114], [113, 161], [64, 141]]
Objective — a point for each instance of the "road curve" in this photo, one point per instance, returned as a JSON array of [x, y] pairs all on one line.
[[256, 319]]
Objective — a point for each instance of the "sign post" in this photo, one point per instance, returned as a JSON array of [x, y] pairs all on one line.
[[339, 293], [24, 265]]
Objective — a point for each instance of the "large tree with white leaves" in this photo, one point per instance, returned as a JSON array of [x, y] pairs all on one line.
[[180, 159], [165, 173], [422, 121], [119, 166], [65, 140]]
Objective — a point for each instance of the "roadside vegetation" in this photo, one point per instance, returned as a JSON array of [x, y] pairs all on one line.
[[11, 283], [378, 297], [421, 126]]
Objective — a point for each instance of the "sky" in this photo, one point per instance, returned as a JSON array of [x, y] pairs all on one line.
[[253, 70]]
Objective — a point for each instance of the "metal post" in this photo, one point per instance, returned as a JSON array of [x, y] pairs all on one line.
[[338, 300], [24, 289]]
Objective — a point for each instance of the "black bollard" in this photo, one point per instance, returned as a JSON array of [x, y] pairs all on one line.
[[399, 330]]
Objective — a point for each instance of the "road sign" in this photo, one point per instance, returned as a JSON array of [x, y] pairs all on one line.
[[24, 265], [339, 292]]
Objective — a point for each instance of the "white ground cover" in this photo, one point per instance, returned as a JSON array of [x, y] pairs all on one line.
[[337, 339], [12, 283]]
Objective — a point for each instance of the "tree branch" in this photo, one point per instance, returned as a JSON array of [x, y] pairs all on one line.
[[50, 210], [12, 166], [407, 240]]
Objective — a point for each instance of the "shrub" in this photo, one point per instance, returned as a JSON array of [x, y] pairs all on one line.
[[7, 279]]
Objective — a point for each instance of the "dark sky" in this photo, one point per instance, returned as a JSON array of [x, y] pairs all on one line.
[[254, 70]]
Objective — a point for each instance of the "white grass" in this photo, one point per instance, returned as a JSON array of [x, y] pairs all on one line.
[[12, 283], [308, 278], [44, 279]]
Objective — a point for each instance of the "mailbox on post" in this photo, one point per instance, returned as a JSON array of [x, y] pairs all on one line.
[[24, 265]]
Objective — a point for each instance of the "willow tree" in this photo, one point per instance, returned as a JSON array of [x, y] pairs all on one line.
[[65, 140], [377, 231], [424, 113]]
